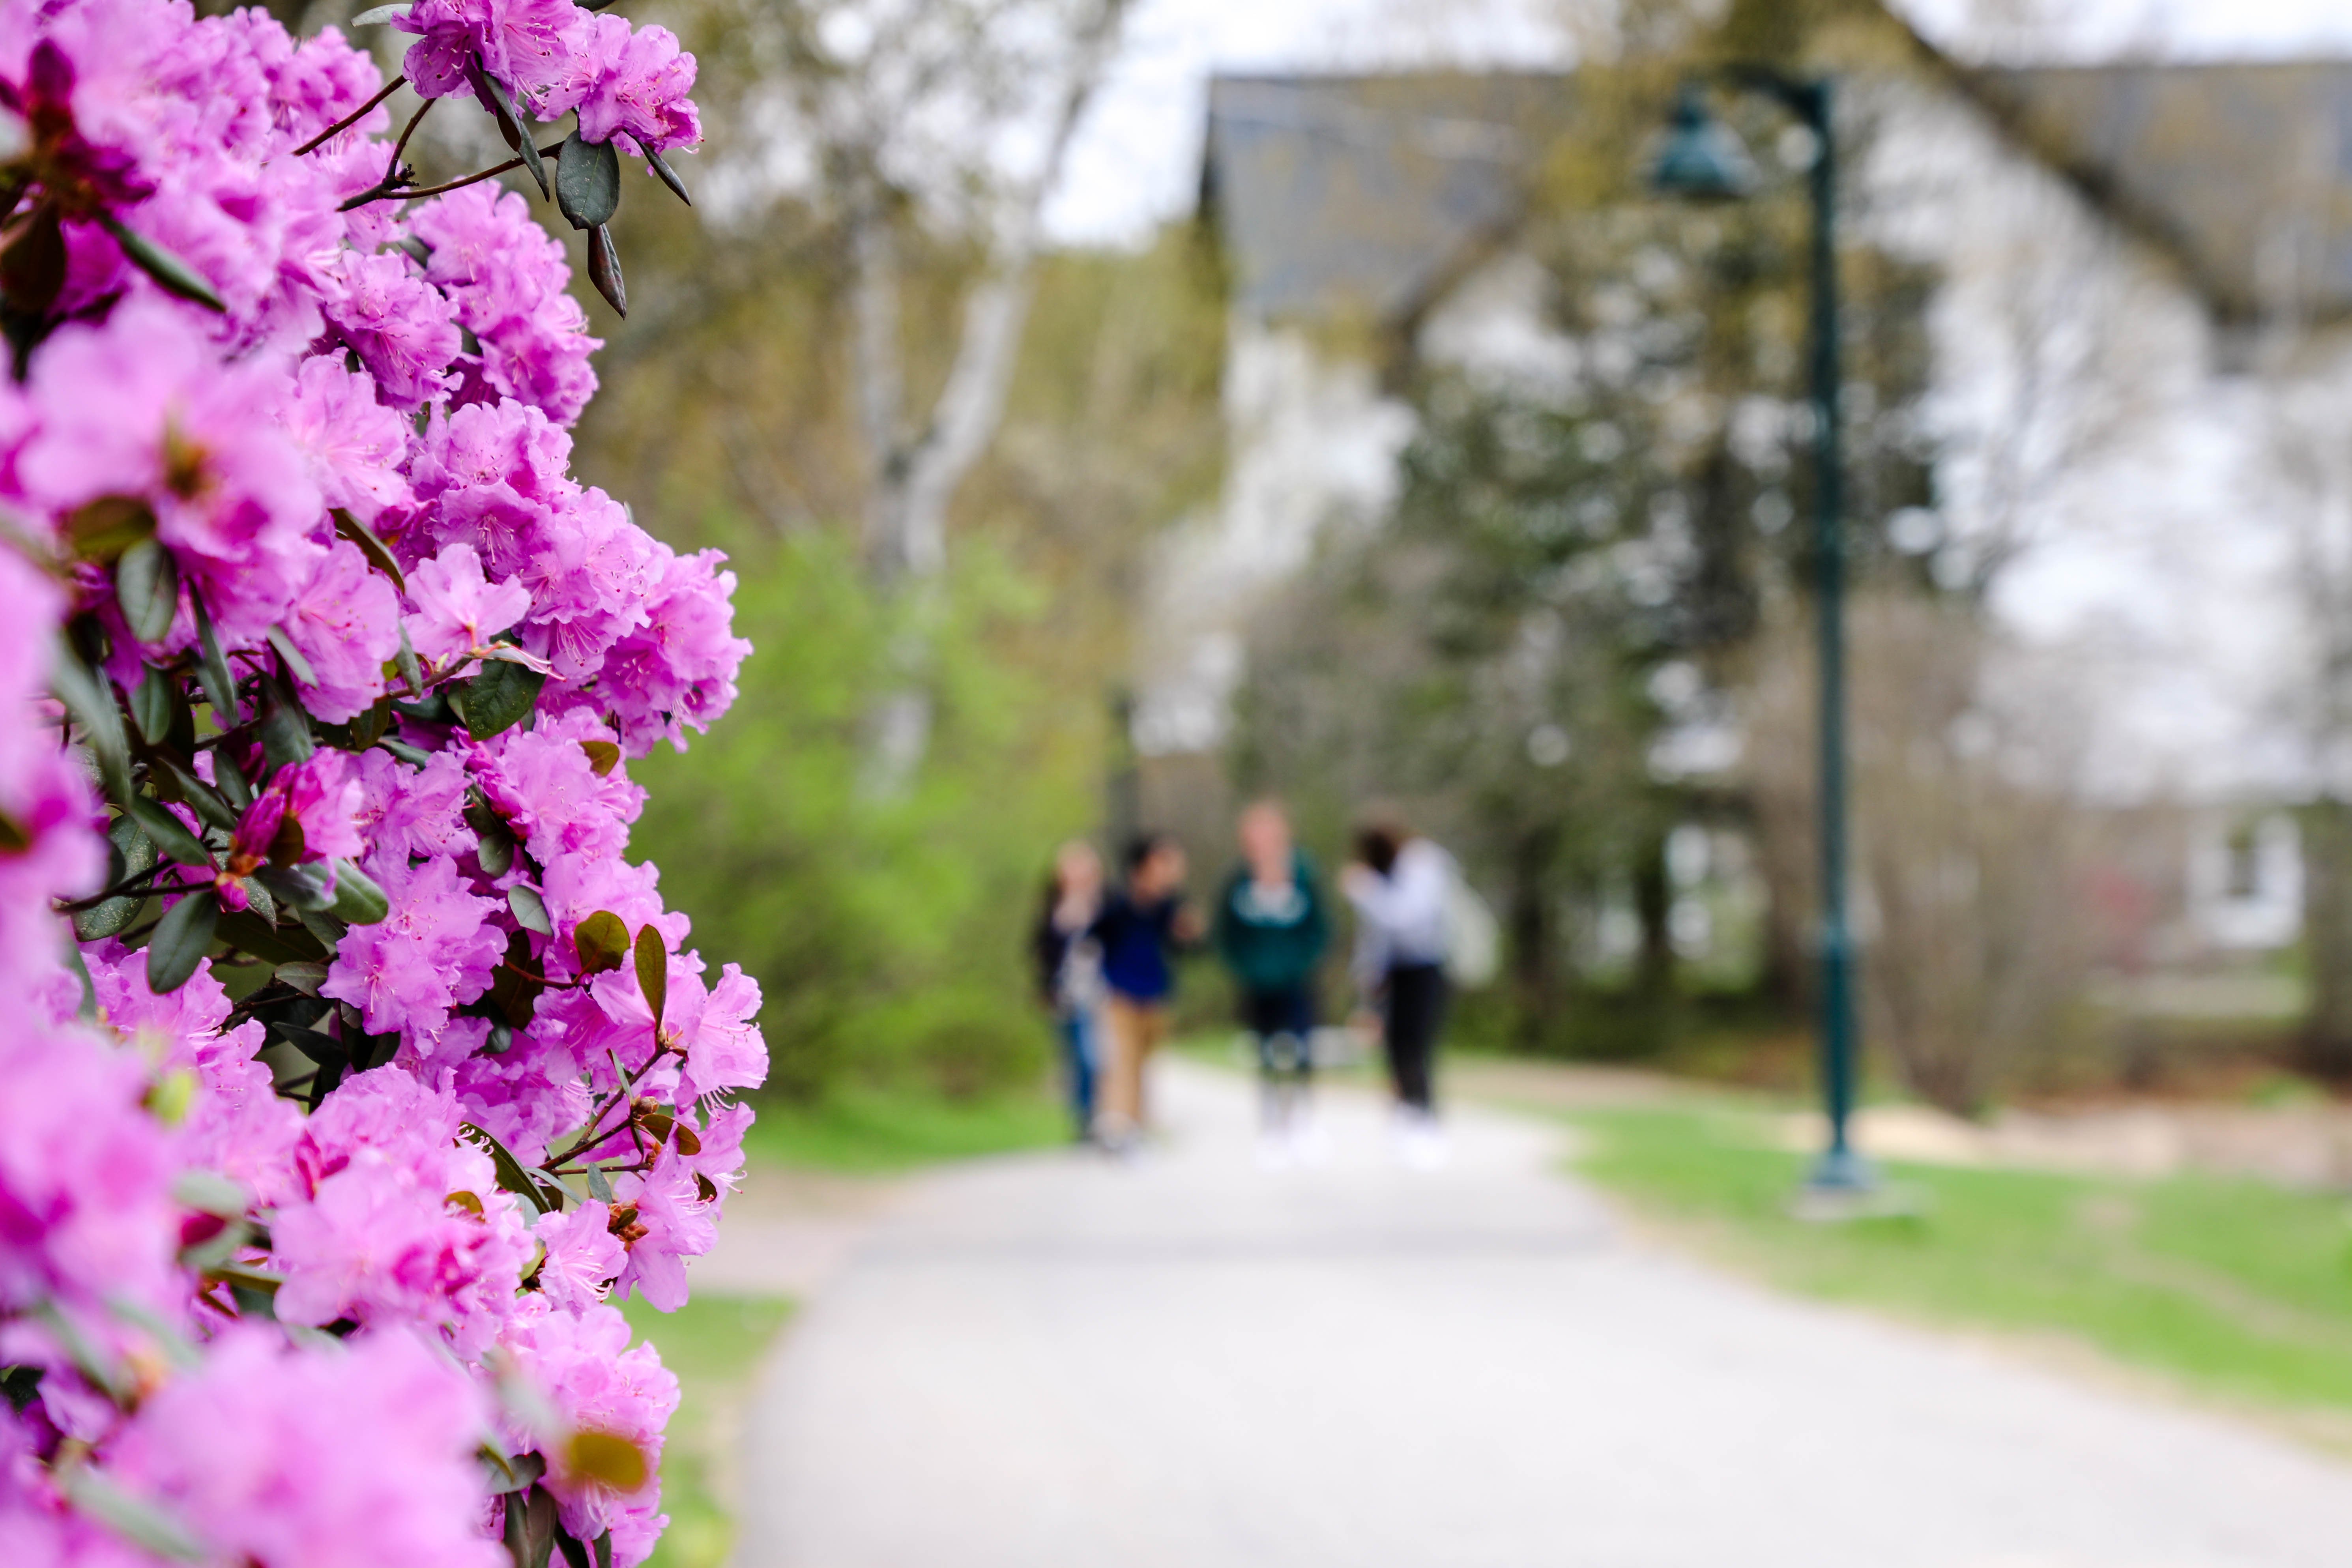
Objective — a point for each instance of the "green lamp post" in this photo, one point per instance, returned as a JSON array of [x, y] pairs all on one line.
[[1701, 159]]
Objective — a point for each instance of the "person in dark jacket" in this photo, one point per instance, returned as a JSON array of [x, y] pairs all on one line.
[[1271, 929], [1069, 973], [1143, 926]]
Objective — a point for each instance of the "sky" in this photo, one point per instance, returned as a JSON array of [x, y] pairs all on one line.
[[1137, 160]]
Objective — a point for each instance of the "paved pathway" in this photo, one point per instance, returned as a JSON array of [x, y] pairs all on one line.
[[1054, 1361]]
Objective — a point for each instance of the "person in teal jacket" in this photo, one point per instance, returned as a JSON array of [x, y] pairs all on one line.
[[1271, 929]]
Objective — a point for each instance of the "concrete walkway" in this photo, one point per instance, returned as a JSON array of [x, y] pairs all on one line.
[[1056, 1361]]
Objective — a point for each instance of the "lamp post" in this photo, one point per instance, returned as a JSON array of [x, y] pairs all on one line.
[[1702, 159]]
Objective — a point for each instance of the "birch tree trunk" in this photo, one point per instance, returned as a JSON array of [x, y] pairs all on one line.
[[916, 471]]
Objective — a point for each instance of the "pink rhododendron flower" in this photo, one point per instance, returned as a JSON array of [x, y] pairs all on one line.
[[345, 622], [596, 1382], [433, 952], [583, 1254], [306, 813], [631, 84], [256, 1452], [458, 609], [396, 323]]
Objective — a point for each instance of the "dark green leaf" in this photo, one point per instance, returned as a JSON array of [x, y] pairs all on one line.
[[529, 910], [358, 901], [669, 176], [575, 1552], [329, 931], [95, 1496], [405, 665], [147, 585], [229, 778], [90, 698], [302, 889], [378, 552], [263, 903], [599, 1186], [169, 833], [653, 971], [295, 665], [603, 757], [531, 1528], [588, 182], [511, 1474], [511, 124], [153, 706], [246, 930], [180, 941], [284, 728], [287, 844], [174, 276], [604, 1545], [604, 270], [201, 798], [512, 1175], [497, 699], [212, 667], [109, 918], [602, 942], [370, 726], [413, 756], [319, 1047], [305, 977], [137, 851], [514, 994]]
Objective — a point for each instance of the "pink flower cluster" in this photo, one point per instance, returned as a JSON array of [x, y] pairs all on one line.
[[348, 1067]]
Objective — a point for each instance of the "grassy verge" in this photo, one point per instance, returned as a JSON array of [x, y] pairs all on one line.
[[2234, 1288], [864, 1132], [712, 1343]]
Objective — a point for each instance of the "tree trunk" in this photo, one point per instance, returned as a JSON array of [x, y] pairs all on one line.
[[2328, 935]]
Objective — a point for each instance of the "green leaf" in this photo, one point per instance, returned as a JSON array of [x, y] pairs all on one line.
[[497, 699], [603, 757], [201, 796], [602, 942], [329, 931], [95, 1496], [511, 124], [511, 1474], [263, 903], [358, 901], [212, 667], [599, 1186], [109, 918], [531, 1528], [379, 14], [287, 844], [587, 181], [575, 1552], [137, 850], [284, 727], [175, 276], [295, 665], [246, 930], [180, 941], [513, 1175], [653, 971], [529, 910], [315, 1043], [378, 552], [147, 585], [669, 176], [305, 977], [168, 833], [405, 665], [208, 1192], [153, 706], [302, 889], [514, 993], [604, 270], [90, 700]]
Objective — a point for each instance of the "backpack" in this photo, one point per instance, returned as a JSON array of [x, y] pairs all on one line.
[[1473, 939]]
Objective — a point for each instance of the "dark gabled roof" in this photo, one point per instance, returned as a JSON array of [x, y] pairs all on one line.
[[2243, 171], [1362, 193], [1366, 195]]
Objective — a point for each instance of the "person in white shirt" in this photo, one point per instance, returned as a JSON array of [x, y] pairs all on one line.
[[1398, 886]]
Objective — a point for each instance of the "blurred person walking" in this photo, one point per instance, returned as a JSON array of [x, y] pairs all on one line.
[[1271, 930], [1069, 973], [1400, 885], [1143, 926]]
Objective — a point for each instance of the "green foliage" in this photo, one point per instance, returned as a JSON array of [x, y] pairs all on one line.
[[713, 1344], [2236, 1287], [865, 1131], [887, 932]]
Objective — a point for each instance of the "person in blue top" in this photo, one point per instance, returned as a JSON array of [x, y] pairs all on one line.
[[1141, 927], [1271, 929]]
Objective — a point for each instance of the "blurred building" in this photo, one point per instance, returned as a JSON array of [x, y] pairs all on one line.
[[2139, 401]]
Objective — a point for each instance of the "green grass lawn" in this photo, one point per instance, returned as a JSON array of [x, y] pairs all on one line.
[[712, 1343], [869, 1132], [2233, 1288]]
